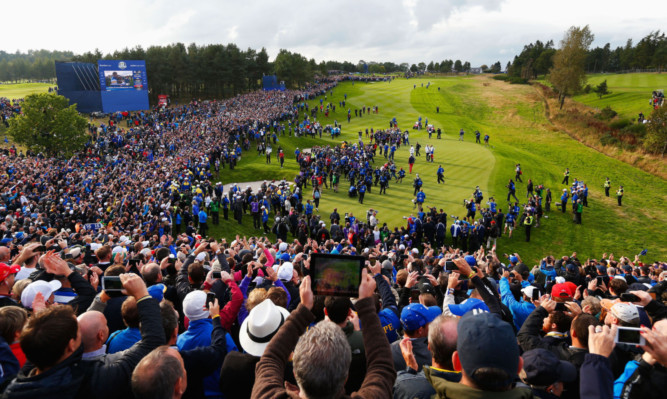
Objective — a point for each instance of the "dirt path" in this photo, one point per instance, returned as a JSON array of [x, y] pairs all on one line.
[[254, 185]]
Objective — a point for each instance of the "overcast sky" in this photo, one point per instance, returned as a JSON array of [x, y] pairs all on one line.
[[479, 31]]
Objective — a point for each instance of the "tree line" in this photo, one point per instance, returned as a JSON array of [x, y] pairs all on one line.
[[649, 53], [218, 70], [32, 65]]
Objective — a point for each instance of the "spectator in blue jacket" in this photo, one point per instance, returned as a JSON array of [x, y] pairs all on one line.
[[124, 339], [389, 315], [521, 308]]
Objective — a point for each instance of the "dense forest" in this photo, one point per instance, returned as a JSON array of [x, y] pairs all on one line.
[[650, 53], [219, 70], [34, 65]]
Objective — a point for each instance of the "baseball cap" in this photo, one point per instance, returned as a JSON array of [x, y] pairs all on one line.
[[571, 268], [157, 291], [561, 291], [45, 287], [639, 287], [513, 259], [282, 247], [485, 341], [193, 305], [426, 288], [467, 306], [416, 315], [542, 368], [528, 291], [6, 241], [286, 271], [626, 312], [285, 257], [6, 270], [471, 260]]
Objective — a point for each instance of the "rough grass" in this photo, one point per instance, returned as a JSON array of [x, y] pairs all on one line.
[[630, 92], [514, 117], [579, 121]]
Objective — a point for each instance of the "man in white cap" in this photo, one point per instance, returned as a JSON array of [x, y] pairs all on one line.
[[45, 288], [78, 294]]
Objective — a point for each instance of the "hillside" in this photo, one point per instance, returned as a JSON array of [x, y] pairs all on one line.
[[514, 117]]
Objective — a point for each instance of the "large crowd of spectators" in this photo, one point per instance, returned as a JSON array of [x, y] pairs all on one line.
[[110, 287], [206, 318]]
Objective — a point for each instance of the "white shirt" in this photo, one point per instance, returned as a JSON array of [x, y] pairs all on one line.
[[24, 273]]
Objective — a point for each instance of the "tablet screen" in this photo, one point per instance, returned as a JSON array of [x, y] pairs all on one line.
[[336, 275]]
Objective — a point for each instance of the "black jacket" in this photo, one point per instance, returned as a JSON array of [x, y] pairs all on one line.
[[529, 336], [108, 376], [60, 382], [85, 293]]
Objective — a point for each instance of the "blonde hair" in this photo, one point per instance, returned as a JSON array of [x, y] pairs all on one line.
[[19, 286], [255, 297]]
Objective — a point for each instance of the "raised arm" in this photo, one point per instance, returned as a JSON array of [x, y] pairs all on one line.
[[380, 373]]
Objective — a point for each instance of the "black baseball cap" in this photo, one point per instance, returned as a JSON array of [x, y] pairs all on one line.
[[484, 340], [542, 368]]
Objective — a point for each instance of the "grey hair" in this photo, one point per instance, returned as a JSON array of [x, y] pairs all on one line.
[[442, 344], [322, 360]]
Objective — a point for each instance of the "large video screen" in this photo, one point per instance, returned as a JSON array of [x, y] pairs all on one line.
[[122, 75]]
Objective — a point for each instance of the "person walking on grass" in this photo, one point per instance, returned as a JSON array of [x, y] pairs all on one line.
[[512, 191], [607, 186], [528, 224], [441, 175], [566, 177], [518, 173], [619, 195]]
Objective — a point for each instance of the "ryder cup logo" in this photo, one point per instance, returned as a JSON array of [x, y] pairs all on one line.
[[122, 65]]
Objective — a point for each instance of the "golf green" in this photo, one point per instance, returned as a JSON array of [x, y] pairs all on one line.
[[513, 116]]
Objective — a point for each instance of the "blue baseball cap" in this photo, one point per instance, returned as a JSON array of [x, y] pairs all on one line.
[[467, 306], [157, 291], [513, 259], [6, 241], [416, 315], [471, 260], [285, 257], [486, 341]]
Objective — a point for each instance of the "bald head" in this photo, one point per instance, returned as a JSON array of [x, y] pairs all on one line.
[[94, 330], [442, 335], [4, 254], [151, 273]]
